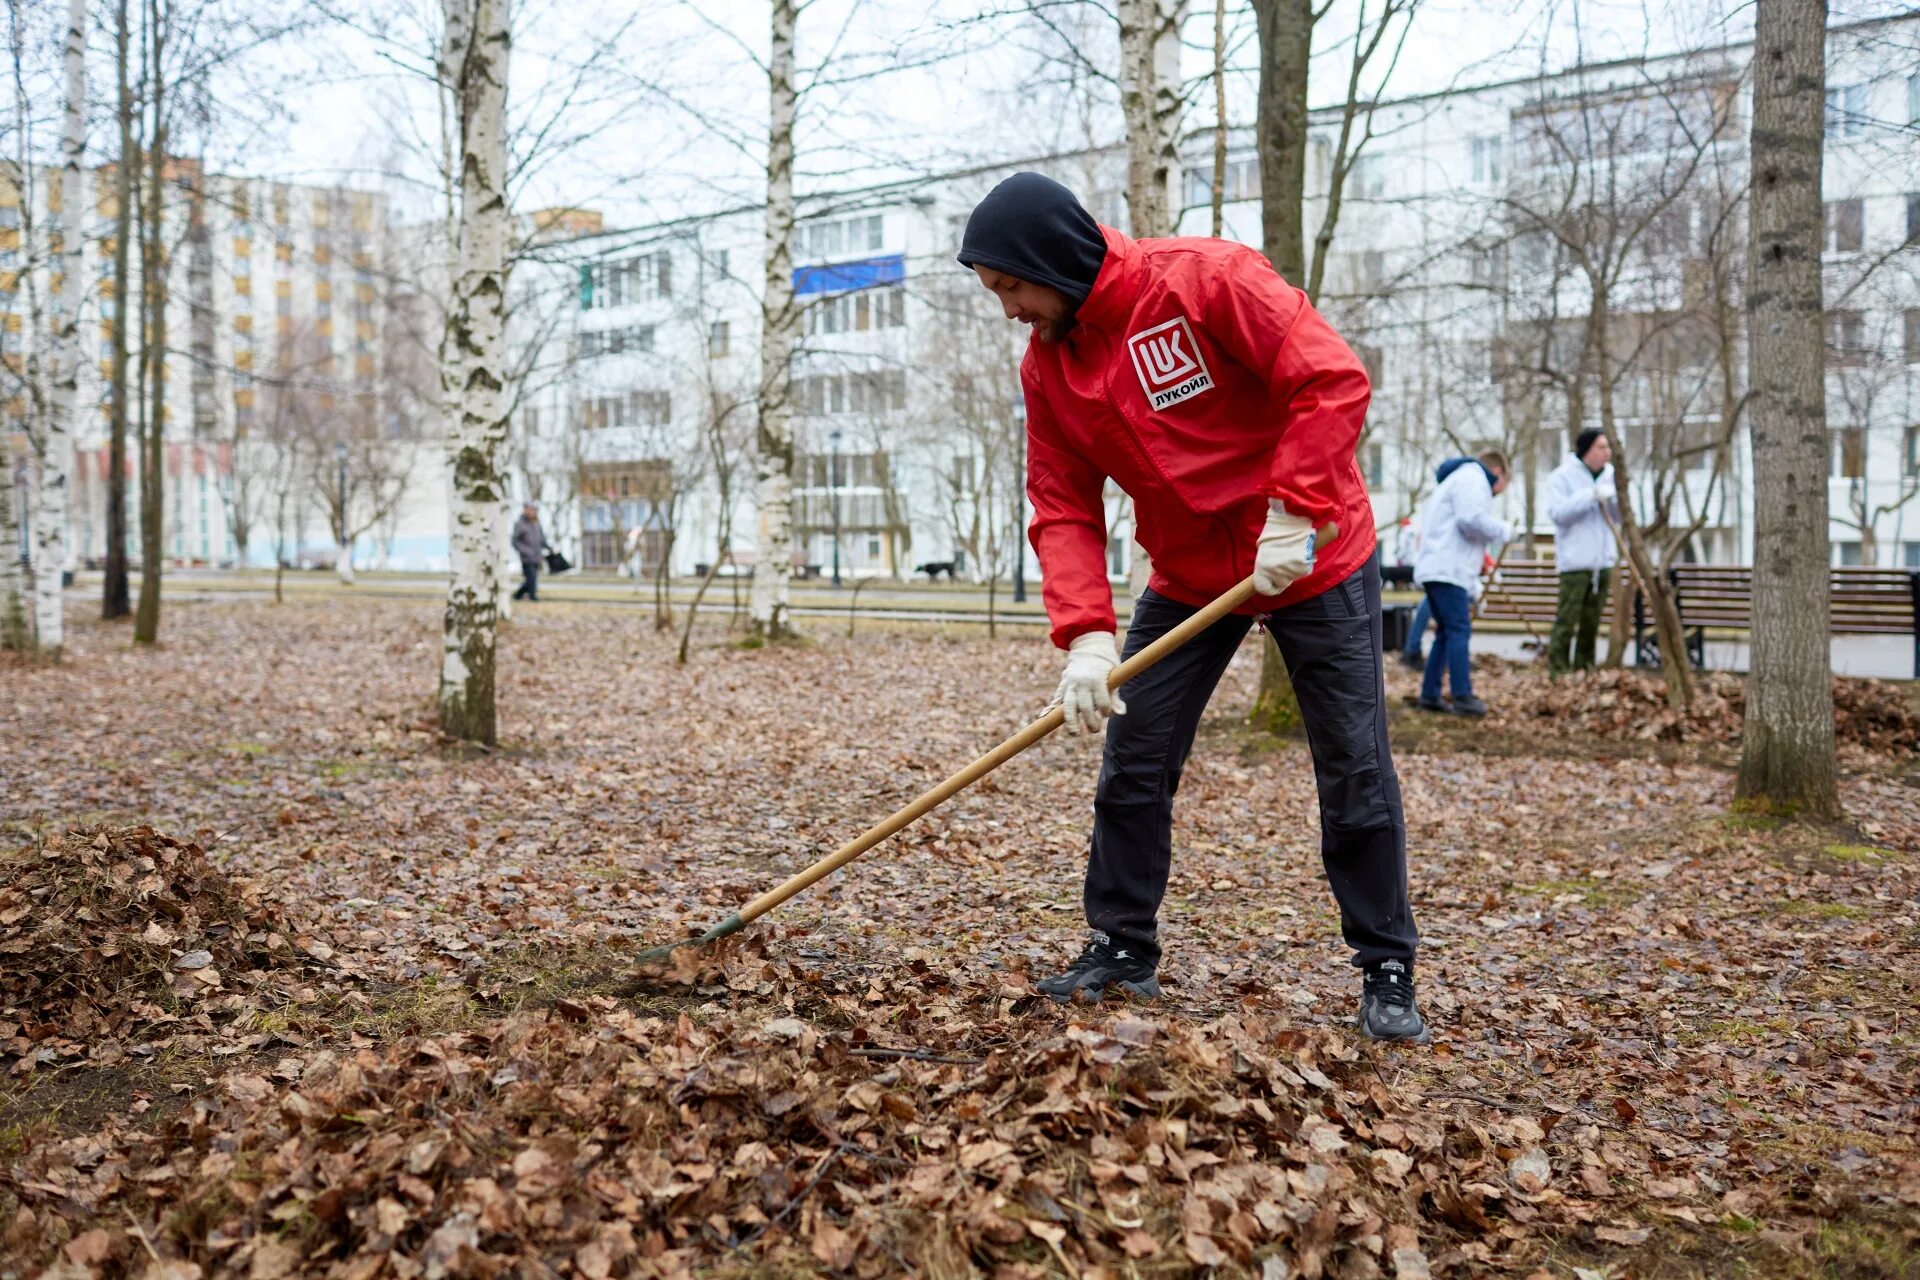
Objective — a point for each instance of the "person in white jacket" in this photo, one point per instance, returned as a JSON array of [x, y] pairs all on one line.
[[1580, 502], [1456, 528]]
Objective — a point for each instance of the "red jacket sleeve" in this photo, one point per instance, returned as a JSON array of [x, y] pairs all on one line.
[[1269, 326], [1069, 529]]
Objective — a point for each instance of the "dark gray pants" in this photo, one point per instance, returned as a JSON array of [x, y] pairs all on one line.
[[1331, 644], [529, 581]]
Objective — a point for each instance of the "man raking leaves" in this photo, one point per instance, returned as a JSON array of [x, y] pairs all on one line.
[[1209, 389]]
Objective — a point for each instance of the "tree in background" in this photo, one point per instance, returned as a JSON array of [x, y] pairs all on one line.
[[155, 261], [1286, 31], [1787, 747], [24, 372], [115, 597], [1151, 99], [779, 334], [475, 66], [53, 433], [15, 634]]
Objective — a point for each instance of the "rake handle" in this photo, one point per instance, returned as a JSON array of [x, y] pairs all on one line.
[[938, 795]]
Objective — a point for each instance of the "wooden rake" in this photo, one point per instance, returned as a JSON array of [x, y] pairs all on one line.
[[934, 797]]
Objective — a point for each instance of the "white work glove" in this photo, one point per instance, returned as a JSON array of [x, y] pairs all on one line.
[[1083, 694], [1602, 492], [1284, 553]]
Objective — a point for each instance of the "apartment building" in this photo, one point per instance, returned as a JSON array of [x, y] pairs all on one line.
[[276, 323], [1474, 228]]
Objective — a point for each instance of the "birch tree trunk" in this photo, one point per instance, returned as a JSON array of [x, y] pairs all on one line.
[[779, 328], [1787, 751], [114, 602], [1280, 140], [153, 293], [476, 59], [1219, 118], [1280, 131], [56, 460], [1150, 100], [13, 600]]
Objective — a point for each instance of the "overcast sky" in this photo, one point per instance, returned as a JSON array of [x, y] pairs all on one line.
[[654, 110]]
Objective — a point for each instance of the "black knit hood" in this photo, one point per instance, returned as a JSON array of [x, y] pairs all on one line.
[[1033, 228]]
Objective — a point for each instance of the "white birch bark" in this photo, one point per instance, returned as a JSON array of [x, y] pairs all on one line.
[[56, 456], [1150, 101], [477, 49], [779, 326], [13, 597]]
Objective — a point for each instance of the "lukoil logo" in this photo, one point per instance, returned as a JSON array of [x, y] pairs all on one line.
[[1169, 363]]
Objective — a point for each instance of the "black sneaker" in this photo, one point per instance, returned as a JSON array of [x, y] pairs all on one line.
[[1102, 964], [1468, 706], [1387, 1010], [1432, 704], [1413, 661]]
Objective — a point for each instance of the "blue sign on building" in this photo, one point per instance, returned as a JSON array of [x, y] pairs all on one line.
[[838, 277]]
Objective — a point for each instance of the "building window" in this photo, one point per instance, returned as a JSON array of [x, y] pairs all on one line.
[[1910, 453], [1241, 181], [719, 338], [875, 392], [1910, 555], [1850, 453], [1845, 222], [865, 234], [1376, 456], [1849, 553], [1913, 216], [1486, 159], [1912, 318], [628, 280], [1498, 356], [1367, 179], [1847, 111], [858, 311], [1846, 337], [613, 342], [720, 260], [1374, 360]]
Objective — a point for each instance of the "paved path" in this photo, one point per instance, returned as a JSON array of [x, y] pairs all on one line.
[[960, 604]]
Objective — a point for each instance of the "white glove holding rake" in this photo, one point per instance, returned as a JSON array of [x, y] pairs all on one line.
[[1285, 553]]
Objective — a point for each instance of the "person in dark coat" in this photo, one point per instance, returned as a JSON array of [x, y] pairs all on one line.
[[529, 543]]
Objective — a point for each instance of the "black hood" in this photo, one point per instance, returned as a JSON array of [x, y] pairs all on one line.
[[1035, 229]]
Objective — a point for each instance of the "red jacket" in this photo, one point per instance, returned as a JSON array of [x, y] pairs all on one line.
[[1202, 384]]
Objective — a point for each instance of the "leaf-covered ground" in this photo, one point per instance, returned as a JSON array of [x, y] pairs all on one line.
[[1669, 1041]]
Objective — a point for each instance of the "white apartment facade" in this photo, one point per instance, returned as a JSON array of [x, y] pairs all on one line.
[[277, 325], [640, 375], [1444, 274]]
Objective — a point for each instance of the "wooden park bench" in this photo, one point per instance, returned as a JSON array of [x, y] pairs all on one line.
[[1527, 592], [1864, 602]]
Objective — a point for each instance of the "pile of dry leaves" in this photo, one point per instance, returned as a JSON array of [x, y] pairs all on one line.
[[121, 941], [1625, 704], [757, 1136], [1666, 1042]]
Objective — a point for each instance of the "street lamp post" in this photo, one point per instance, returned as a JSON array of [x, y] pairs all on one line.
[[833, 493], [340, 461]]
